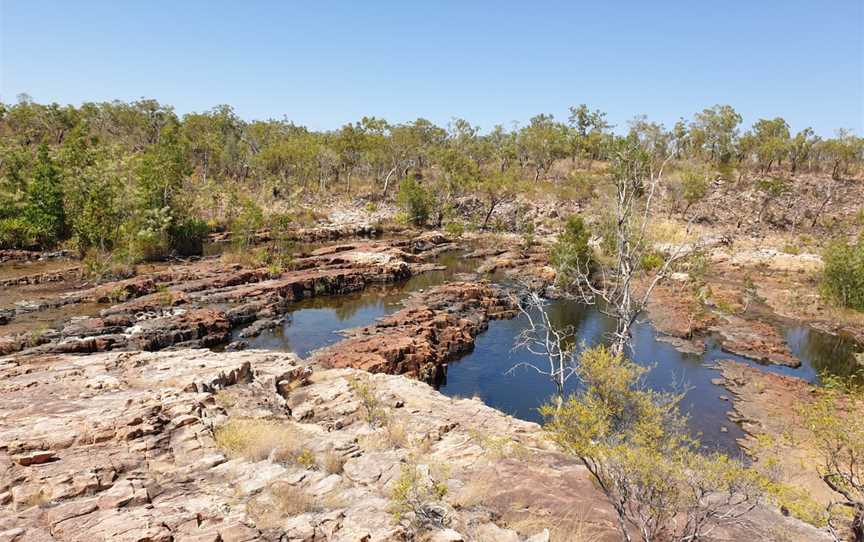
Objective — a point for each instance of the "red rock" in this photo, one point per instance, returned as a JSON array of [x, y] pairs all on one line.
[[36, 458], [421, 338]]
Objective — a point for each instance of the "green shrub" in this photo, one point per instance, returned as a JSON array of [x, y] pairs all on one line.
[[187, 237], [152, 240], [44, 210], [571, 254], [790, 248], [843, 276], [15, 232], [773, 187], [415, 201], [651, 260], [694, 186], [415, 495], [528, 230], [455, 229]]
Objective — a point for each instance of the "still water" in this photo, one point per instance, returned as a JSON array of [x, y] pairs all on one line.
[[484, 371]]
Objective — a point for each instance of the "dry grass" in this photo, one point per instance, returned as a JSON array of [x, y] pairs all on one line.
[[393, 435], [279, 501], [248, 256], [669, 231], [256, 439], [476, 492], [570, 528], [397, 433], [225, 398], [332, 463], [499, 447]]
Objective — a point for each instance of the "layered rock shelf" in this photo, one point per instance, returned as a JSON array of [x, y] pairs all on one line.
[[432, 329], [197, 304], [194, 445]]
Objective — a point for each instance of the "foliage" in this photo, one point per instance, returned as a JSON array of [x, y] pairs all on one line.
[[373, 409], [415, 201], [416, 496], [17, 232], [571, 254], [713, 132], [843, 274], [773, 187], [454, 228], [834, 427], [97, 174], [187, 236], [651, 260], [633, 442], [695, 183], [44, 205]]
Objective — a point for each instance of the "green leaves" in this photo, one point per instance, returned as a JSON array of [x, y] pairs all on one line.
[[571, 255], [44, 211], [633, 441], [843, 275], [414, 200]]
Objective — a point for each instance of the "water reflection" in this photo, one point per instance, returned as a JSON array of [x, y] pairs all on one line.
[[483, 372], [315, 323], [833, 354]]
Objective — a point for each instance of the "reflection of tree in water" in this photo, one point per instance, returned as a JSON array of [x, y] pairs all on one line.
[[589, 324], [834, 354], [350, 306]]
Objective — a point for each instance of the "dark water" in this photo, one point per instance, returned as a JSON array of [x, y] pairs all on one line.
[[484, 372], [316, 323]]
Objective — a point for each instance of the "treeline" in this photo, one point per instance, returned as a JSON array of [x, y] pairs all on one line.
[[139, 177]]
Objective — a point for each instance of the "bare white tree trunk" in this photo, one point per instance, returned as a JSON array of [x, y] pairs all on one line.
[[545, 340]]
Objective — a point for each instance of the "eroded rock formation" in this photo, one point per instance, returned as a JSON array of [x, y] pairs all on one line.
[[418, 340], [142, 446], [197, 304]]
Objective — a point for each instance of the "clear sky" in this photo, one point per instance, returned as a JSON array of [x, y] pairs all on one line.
[[326, 63]]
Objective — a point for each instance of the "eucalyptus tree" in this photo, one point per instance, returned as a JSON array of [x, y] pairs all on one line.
[[542, 142], [772, 142], [714, 130], [801, 148], [589, 130]]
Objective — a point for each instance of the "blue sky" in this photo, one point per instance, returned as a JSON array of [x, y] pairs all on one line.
[[326, 63]]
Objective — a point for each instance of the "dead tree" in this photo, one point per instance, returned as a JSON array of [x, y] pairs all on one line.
[[543, 339], [636, 176]]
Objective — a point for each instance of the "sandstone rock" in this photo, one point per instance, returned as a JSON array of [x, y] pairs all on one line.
[[139, 461], [420, 339], [542, 536], [490, 531], [755, 340], [171, 306], [35, 458], [446, 535]]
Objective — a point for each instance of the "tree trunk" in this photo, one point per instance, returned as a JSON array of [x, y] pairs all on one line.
[[489, 214], [858, 523], [387, 179]]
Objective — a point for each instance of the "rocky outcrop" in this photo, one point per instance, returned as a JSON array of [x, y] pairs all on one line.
[[418, 340], [42, 278], [199, 303], [308, 235], [680, 319], [530, 266], [194, 445], [13, 255], [765, 405], [756, 340]]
